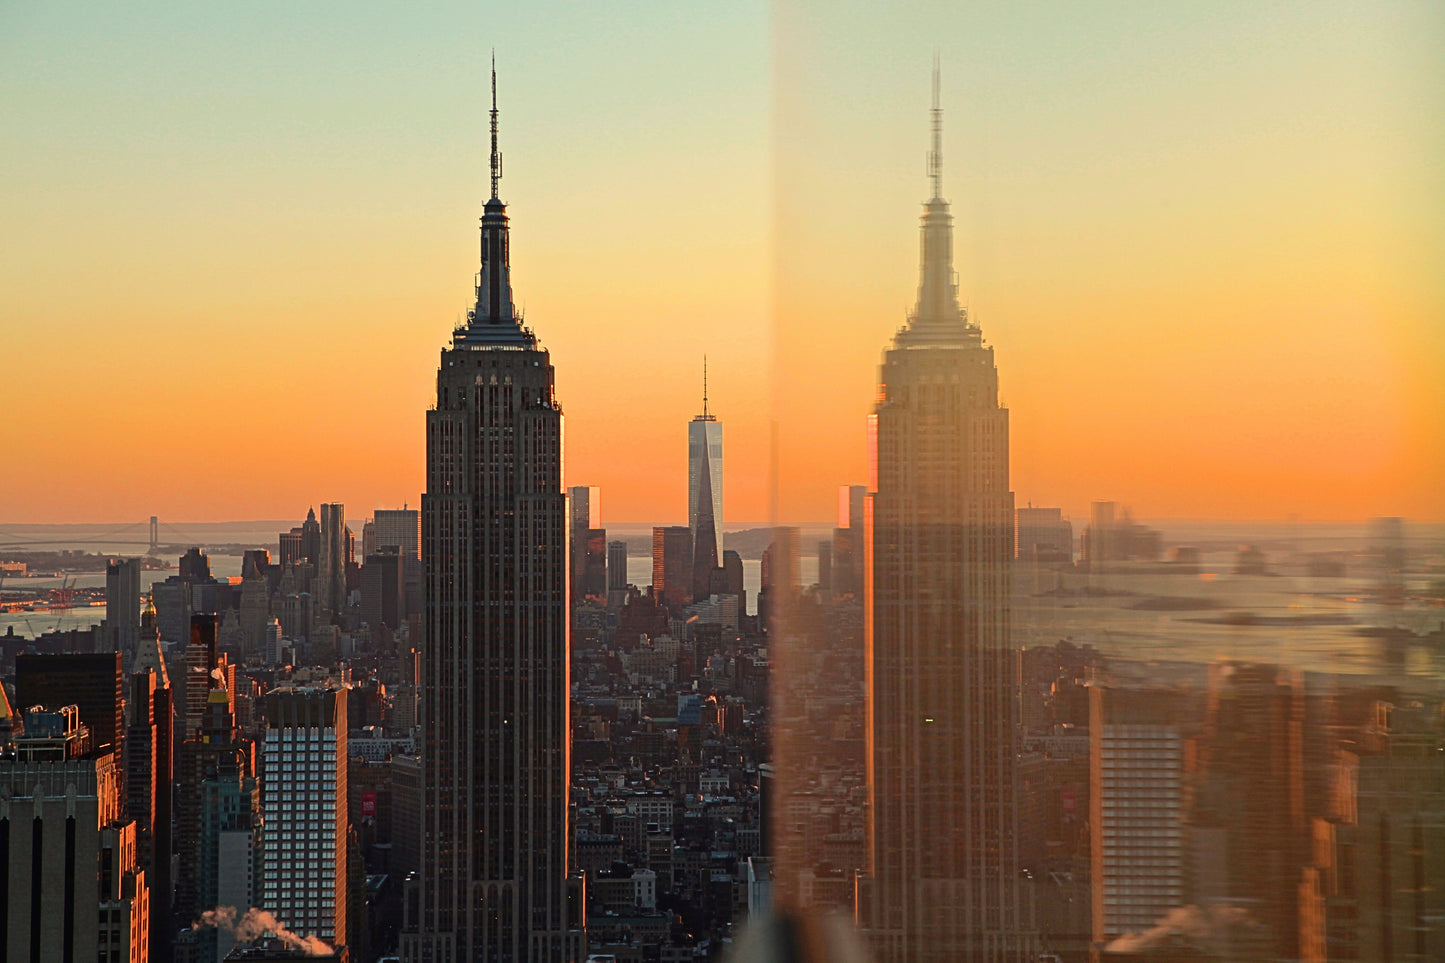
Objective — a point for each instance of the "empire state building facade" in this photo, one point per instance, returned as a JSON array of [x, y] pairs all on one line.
[[943, 870], [494, 882]]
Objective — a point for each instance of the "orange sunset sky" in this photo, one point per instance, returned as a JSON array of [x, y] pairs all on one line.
[[1206, 244]]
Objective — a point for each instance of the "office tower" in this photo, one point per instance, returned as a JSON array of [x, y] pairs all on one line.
[[672, 565], [228, 824], [782, 567], [1043, 535], [594, 564], [851, 502], [122, 605], [1381, 853], [329, 587], [201, 662], [1136, 793], [705, 483], [406, 802], [732, 579], [943, 870], [383, 590], [255, 604], [496, 726], [255, 563], [1386, 549], [399, 528], [584, 512], [91, 681], [149, 773], [705, 539], [616, 573], [1100, 538], [1247, 772], [303, 776], [311, 538], [195, 566], [72, 886], [848, 542], [584, 507], [302, 543], [288, 547], [210, 743], [1114, 536]]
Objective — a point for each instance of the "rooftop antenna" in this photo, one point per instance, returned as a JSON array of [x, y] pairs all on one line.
[[935, 156], [496, 155], [704, 386]]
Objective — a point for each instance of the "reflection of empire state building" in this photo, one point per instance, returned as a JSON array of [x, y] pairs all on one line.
[[943, 874], [494, 882]]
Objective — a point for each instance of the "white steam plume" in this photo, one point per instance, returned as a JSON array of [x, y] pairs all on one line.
[[256, 923], [1210, 928]]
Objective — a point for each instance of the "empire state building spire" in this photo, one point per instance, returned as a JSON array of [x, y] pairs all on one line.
[[937, 312], [494, 319], [493, 880]]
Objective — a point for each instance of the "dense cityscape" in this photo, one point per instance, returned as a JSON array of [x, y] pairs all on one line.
[[947, 725]]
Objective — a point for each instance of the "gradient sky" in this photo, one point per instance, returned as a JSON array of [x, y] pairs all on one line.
[[1206, 244]]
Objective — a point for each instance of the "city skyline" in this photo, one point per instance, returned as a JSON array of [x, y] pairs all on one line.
[[1248, 339], [967, 695]]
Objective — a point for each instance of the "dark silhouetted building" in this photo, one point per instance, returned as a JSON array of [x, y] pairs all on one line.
[[91, 681], [616, 573], [383, 589], [495, 882], [122, 606], [329, 586], [672, 565], [72, 888], [149, 778]]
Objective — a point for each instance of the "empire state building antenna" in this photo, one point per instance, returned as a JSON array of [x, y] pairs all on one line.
[[496, 154], [935, 156]]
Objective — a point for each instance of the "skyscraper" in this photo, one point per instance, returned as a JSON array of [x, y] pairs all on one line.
[[122, 605], [92, 681], [304, 841], [943, 879], [1136, 792], [616, 573], [584, 504], [672, 565], [398, 528], [494, 882], [848, 541], [705, 488], [330, 587], [149, 773], [72, 887]]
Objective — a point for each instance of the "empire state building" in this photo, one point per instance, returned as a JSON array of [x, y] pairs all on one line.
[[942, 881], [494, 882]]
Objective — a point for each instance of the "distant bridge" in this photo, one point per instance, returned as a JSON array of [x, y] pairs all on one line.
[[125, 535]]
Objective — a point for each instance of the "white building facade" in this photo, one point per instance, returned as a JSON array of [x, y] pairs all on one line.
[[303, 844]]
